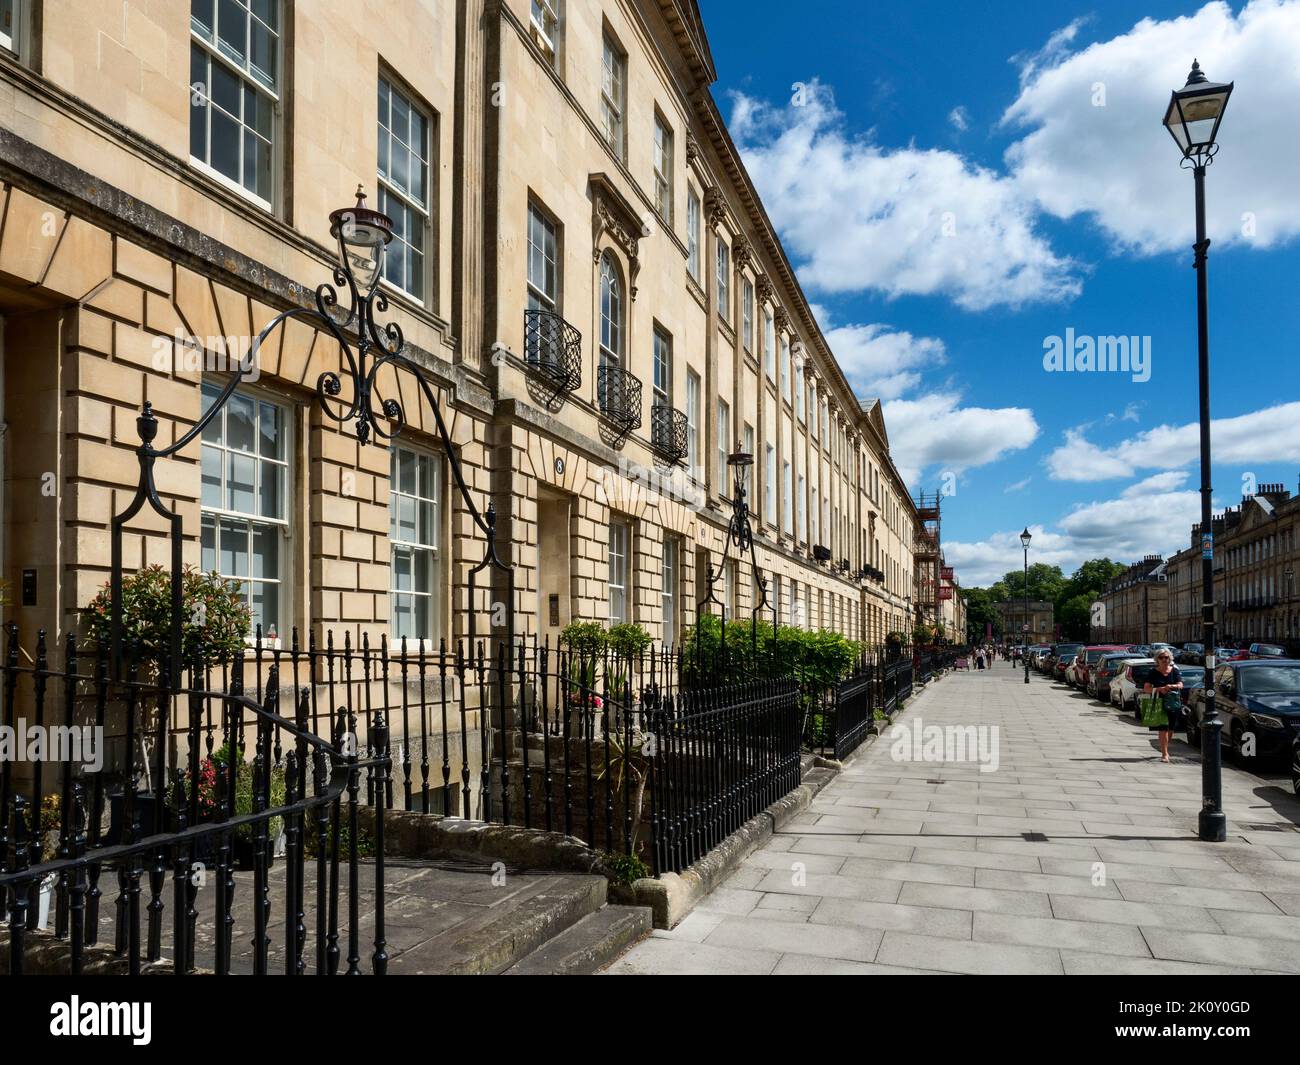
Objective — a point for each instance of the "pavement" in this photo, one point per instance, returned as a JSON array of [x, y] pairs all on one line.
[[1077, 853]]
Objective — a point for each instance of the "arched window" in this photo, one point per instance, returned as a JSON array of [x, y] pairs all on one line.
[[611, 312]]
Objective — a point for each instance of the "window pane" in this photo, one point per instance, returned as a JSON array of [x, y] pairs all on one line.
[[210, 461], [232, 30], [266, 607], [201, 17], [241, 414], [234, 548], [406, 518], [225, 145], [242, 471], [428, 529], [272, 439], [262, 61], [208, 544], [211, 431], [403, 626], [402, 568], [272, 491], [406, 472], [266, 551], [226, 90], [198, 103]]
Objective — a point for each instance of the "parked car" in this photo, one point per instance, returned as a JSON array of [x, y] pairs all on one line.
[[1124, 688], [1062, 664], [1056, 667], [1078, 674], [1256, 697], [1230, 654], [1107, 668], [1193, 654], [1193, 680], [1265, 650]]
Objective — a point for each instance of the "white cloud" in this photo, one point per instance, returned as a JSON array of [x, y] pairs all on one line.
[[1271, 435], [1017, 486], [981, 563], [881, 361], [1123, 529], [1127, 528], [959, 117], [1157, 483], [902, 221], [1115, 163], [935, 430], [1056, 47]]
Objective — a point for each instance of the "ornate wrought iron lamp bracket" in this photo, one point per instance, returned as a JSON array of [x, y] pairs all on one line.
[[362, 235]]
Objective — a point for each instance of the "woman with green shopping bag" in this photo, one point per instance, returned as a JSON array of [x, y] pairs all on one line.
[[1164, 683]]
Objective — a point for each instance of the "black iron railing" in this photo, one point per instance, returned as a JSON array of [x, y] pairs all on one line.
[[553, 348], [839, 717], [723, 756], [668, 432], [168, 823], [618, 392]]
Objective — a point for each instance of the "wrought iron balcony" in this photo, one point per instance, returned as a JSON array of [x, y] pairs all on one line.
[[668, 432], [821, 553], [619, 394], [553, 348]]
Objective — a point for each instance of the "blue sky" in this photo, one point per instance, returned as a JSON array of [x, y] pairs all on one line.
[[956, 183]]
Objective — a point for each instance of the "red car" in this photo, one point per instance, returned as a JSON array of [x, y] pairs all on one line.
[[1077, 675]]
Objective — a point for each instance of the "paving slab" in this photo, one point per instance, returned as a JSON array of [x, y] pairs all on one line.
[[1078, 854]]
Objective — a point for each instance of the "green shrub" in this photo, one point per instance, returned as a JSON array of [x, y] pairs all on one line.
[[585, 638], [626, 868], [628, 640], [244, 791], [215, 619], [815, 658]]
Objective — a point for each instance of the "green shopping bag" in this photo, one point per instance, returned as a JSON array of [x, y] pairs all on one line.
[[1152, 708]]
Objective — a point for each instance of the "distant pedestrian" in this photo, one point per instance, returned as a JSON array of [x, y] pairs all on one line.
[[1163, 679], [979, 658]]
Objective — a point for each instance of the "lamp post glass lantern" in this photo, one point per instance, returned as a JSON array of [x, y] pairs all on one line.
[[1192, 118], [740, 535], [1025, 537]]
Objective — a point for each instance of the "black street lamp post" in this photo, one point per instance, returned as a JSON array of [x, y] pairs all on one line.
[[1193, 118], [1024, 542]]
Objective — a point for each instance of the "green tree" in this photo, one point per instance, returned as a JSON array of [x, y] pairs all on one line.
[[1045, 583], [1074, 615], [980, 612]]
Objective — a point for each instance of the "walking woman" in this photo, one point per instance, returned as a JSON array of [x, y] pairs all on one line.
[[1163, 679]]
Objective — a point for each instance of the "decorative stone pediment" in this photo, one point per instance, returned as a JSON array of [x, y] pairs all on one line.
[[614, 217]]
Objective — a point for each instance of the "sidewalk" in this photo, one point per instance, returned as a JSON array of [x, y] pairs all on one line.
[[1077, 855]]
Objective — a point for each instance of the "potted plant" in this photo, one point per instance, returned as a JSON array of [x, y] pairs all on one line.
[[244, 783], [215, 621]]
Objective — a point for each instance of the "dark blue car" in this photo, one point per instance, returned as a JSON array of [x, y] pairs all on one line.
[[1259, 704]]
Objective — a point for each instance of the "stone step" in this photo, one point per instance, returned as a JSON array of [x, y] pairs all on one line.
[[523, 928], [588, 945]]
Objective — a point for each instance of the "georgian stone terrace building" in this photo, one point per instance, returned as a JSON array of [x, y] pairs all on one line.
[[581, 262]]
